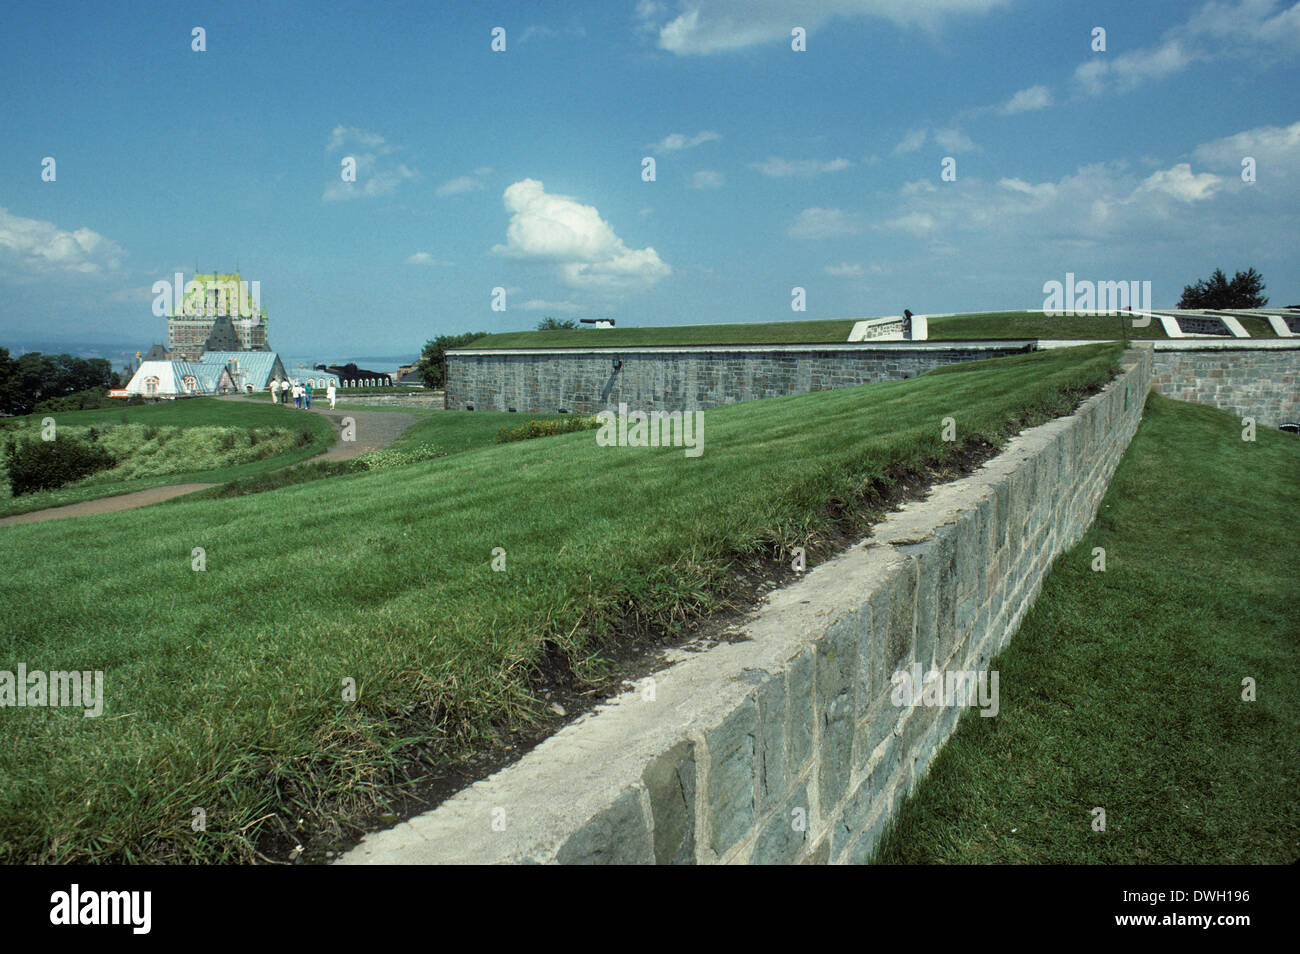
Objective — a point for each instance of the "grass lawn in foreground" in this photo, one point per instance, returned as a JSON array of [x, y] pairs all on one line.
[[223, 687], [190, 412], [1123, 688]]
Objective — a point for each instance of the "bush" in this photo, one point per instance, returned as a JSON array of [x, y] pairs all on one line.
[[89, 399], [560, 425], [398, 456], [46, 465]]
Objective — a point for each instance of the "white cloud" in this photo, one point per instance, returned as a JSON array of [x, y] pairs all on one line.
[[1275, 149], [34, 247], [818, 223], [376, 174], [1100, 203], [914, 223], [954, 140], [844, 270], [713, 26], [1027, 100], [1181, 183], [708, 179], [776, 167], [675, 142], [458, 185], [561, 230], [424, 258], [950, 139], [132, 296], [1251, 22], [343, 135], [1129, 70], [1250, 29], [913, 141]]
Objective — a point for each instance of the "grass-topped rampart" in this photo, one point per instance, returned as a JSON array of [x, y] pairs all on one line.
[[225, 687]]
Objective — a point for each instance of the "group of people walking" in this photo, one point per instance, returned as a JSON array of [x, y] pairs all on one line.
[[299, 394]]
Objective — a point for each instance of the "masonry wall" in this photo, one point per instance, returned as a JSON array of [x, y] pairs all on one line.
[[681, 379], [784, 745], [1263, 384], [427, 399]]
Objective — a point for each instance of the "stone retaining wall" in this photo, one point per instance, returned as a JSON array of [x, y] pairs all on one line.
[[785, 746], [1258, 383], [432, 399], [685, 379]]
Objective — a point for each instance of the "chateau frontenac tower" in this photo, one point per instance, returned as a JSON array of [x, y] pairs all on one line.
[[223, 314]]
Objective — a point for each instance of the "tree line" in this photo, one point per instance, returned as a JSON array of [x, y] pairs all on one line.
[[33, 380]]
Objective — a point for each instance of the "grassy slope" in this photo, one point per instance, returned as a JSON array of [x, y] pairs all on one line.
[[1256, 327], [783, 332], [224, 686], [456, 431], [981, 326], [1029, 324], [1123, 689], [192, 412]]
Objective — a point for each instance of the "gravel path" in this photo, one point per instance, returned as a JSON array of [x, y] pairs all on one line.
[[141, 498]]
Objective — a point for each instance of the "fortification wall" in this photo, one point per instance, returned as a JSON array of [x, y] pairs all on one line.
[[785, 746], [683, 379], [1255, 379]]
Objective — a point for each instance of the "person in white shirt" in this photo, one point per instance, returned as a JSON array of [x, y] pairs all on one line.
[[329, 393], [275, 390]]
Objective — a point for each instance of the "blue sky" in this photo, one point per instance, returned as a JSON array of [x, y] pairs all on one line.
[[522, 169]]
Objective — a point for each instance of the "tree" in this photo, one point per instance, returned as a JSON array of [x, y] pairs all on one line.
[[432, 366], [10, 394], [1216, 292], [550, 324], [34, 377]]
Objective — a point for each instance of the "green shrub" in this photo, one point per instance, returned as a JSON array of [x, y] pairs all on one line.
[[46, 465], [549, 428], [397, 456], [80, 401]]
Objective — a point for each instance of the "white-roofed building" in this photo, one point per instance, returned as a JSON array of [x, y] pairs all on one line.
[[170, 379]]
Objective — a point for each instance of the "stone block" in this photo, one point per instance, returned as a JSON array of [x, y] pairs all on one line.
[[784, 834], [772, 709], [731, 777], [800, 724], [620, 835], [670, 780]]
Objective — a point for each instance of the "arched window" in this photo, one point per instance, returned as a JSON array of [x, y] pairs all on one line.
[[151, 385], [189, 383]]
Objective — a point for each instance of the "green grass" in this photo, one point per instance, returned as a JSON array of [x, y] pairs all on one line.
[[1030, 324], [1256, 327], [457, 431], [189, 413], [770, 332], [1122, 689], [999, 325], [223, 686], [436, 434]]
